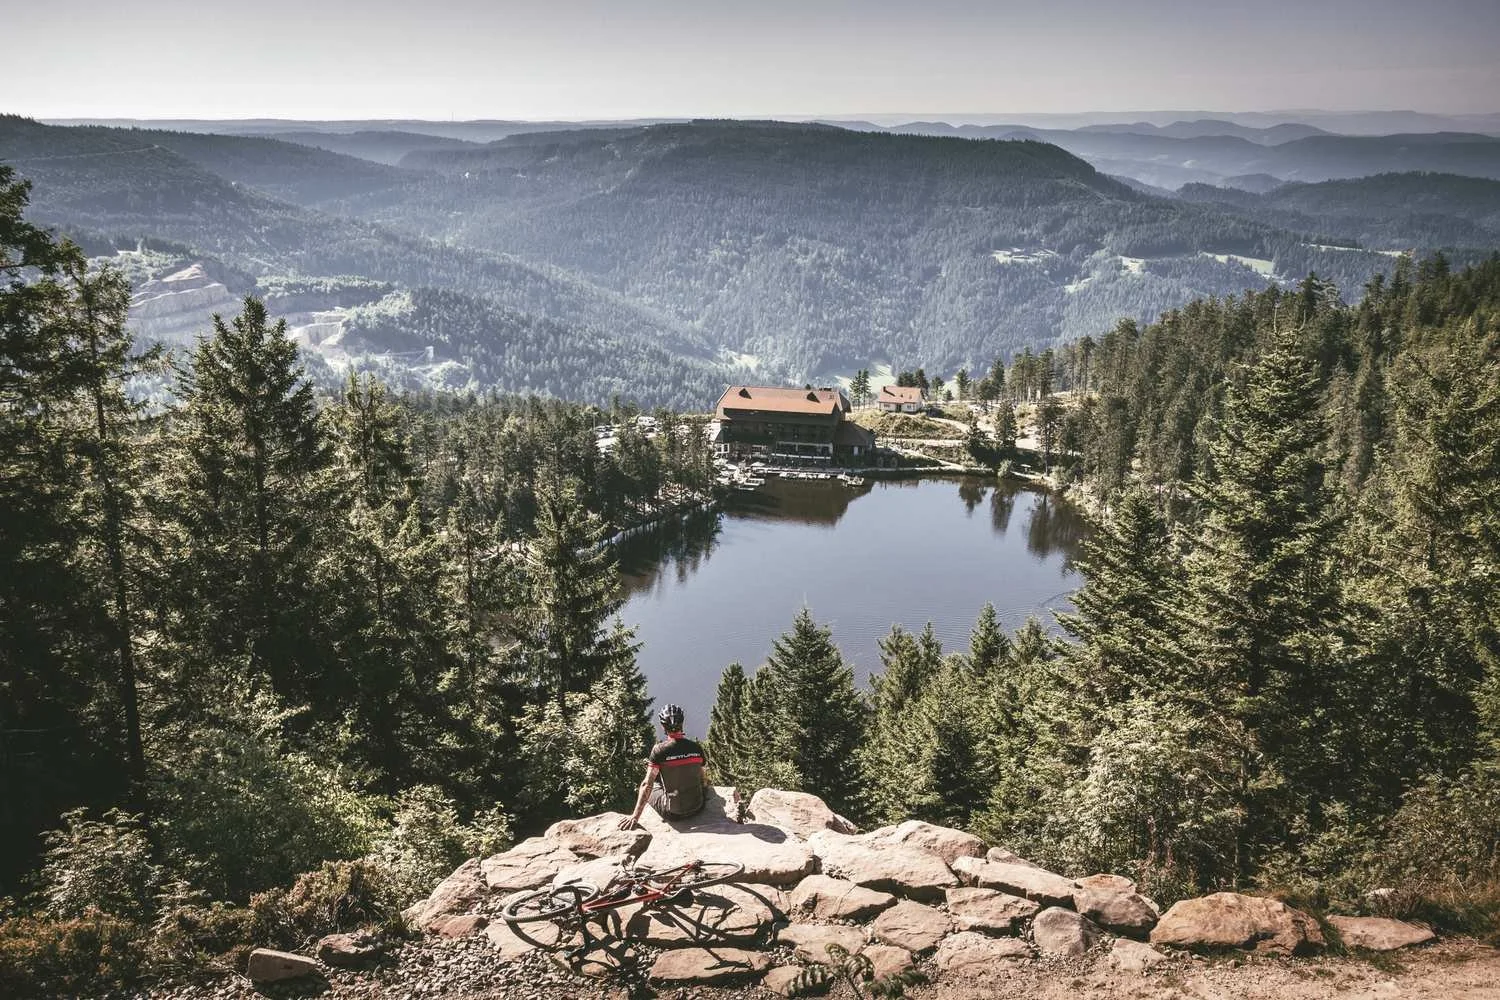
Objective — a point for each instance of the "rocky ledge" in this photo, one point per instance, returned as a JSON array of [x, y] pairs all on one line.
[[911, 896]]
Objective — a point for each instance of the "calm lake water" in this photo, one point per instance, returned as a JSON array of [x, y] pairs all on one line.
[[723, 586]]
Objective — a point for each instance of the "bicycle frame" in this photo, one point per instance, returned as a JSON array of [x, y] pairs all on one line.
[[641, 887]]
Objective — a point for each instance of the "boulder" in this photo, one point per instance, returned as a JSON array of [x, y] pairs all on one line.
[[1057, 931], [770, 855], [823, 897], [1232, 920], [269, 966], [1133, 957], [350, 951], [989, 911], [528, 865], [1035, 884], [898, 868], [457, 925], [597, 872], [968, 954], [719, 914], [946, 842], [1006, 857], [456, 894], [1379, 933], [801, 813], [810, 941], [597, 836], [912, 926], [887, 959], [709, 966], [1112, 902]]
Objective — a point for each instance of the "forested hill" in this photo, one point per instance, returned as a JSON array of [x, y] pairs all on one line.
[[824, 248], [107, 189]]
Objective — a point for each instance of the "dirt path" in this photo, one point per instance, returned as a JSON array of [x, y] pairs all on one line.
[[1453, 970]]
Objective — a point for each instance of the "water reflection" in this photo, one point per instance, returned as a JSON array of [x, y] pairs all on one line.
[[721, 587]]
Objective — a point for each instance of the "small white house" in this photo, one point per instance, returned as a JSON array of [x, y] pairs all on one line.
[[900, 399]]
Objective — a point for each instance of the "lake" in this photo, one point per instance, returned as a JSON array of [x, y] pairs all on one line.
[[721, 587]]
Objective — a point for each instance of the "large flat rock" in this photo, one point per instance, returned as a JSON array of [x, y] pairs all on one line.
[[1034, 884], [898, 868], [970, 955], [770, 855], [810, 941], [598, 836], [721, 914], [825, 898], [912, 926], [989, 911], [944, 841], [709, 966], [266, 965], [1231, 920], [801, 813], [1379, 933], [529, 865]]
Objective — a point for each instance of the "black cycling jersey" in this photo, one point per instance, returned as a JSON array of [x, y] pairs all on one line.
[[679, 774]]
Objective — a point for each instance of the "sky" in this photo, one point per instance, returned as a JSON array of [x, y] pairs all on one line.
[[592, 59]]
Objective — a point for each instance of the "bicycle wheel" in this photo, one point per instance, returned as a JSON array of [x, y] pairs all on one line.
[[710, 873], [548, 904]]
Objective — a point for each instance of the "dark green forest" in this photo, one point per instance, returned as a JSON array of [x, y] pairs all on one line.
[[1282, 670], [267, 632]]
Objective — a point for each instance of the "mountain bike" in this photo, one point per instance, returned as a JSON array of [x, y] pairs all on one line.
[[573, 903]]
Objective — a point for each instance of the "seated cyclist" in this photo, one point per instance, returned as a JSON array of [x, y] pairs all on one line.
[[676, 774]]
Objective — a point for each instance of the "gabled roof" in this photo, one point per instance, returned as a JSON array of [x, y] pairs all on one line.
[[900, 394], [780, 399]]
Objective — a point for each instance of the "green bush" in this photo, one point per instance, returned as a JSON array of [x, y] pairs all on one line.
[[426, 841], [190, 932], [338, 896], [103, 866], [43, 956], [241, 810]]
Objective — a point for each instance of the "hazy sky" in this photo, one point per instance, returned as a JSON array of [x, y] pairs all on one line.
[[666, 58]]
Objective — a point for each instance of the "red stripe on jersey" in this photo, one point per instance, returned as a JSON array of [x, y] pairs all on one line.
[[674, 761]]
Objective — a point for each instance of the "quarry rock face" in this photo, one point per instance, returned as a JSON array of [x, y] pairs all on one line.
[[1232, 920]]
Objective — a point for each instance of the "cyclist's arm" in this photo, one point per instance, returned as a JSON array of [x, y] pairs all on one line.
[[641, 796]]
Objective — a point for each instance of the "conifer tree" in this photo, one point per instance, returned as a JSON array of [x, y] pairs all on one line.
[[987, 643], [724, 742]]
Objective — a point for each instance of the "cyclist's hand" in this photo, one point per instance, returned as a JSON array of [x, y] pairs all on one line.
[[628, 823]]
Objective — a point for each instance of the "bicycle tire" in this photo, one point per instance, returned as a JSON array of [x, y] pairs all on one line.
[[548, 903], [711, 873]]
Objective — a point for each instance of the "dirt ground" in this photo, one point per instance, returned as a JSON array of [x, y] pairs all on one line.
[[1452, 970]]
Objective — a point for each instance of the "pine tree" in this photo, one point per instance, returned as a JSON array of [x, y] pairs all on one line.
[[1006, 430], [987, 643], [724, 742], [809, 714], [250, 499]]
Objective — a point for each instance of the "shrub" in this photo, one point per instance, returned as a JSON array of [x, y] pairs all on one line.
[[42, 956], [240, 810], [102, 866], [426, 841], [338, 896], [190, 932]]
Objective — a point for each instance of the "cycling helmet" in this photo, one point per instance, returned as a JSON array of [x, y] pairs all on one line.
[[671, 718]]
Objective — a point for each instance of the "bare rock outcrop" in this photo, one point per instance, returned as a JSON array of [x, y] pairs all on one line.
[[898, 868], [800, 813], [1379, 933], [597, 836], [989, 911], [531, 863], [1231, 920], [810, 941], [455, 895], [770, 854], [913, 926], [968, 954], [1035, 884], [823, 897], [709, 966], [946, 842]]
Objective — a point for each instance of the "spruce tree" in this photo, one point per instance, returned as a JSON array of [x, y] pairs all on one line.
[[724, 741], [987, 643]]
